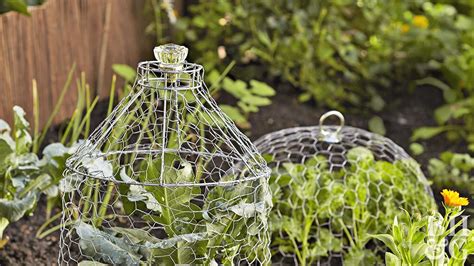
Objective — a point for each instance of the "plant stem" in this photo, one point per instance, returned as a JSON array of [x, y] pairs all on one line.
[[306, 232], [55, 228], [88, 193], [96, 198], [57, 106], [69, 127], [111, 95], [296, 249], [39, 233], [36, 117], [85, 120], [202, 147], [105, 203], [226, 71], [346, 231]]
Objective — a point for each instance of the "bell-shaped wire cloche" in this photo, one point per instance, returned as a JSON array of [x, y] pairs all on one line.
[[167, 177]]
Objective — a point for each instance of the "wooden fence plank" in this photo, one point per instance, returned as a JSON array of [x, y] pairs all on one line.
[[59, 34]]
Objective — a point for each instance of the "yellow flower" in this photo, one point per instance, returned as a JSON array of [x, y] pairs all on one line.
[[452, 199], [405, 28], [420, 22]]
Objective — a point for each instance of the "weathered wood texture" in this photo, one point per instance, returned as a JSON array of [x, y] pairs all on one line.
[[94, 34]]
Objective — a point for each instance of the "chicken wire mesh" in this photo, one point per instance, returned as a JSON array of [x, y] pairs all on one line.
[[166, 179], [332, 187]]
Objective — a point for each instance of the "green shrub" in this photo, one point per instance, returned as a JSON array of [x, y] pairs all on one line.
[[422, 240], [455, 118], [20, 172], [321, 211], [340, 53]]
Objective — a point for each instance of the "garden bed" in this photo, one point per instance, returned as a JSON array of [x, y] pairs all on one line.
[[411, 111]]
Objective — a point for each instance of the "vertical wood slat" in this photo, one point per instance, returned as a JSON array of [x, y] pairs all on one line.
[[57, 35]]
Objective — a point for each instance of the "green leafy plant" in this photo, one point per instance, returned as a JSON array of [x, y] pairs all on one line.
[[337, 52], [455, 118], [420, 240], [22, 173], [24, 176], [320, 211], [249, 98], [454, 170], [215, 231], [208, 225], [20, 176], [54, 155]]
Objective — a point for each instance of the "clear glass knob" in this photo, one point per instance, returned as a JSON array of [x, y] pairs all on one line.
[[171, 54], [171, 58]]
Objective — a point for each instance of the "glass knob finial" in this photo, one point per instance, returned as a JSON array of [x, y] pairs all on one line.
[[170, 54]]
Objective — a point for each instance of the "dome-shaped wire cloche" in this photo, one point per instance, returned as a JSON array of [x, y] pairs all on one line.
[[334, 186], [166, 179]]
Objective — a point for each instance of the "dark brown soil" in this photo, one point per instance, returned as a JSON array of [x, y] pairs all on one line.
[[24, 248], [400, 118]]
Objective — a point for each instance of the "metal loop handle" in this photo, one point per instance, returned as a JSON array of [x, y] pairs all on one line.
[[328, 134]]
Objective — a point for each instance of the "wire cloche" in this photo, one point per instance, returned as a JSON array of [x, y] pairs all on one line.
[[166, 179], [335, 186]]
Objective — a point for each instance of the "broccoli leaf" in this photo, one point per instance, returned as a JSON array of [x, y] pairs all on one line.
[[105, 247]]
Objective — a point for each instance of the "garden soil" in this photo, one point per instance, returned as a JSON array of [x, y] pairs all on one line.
[[400, 119]]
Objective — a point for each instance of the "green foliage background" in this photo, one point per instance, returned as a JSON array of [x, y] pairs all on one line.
[[354, 56]]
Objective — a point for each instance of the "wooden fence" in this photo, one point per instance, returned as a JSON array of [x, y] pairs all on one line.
[[93, 34]]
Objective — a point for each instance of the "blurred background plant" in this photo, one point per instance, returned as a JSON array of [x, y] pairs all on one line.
[[33, 160], [349, 55]]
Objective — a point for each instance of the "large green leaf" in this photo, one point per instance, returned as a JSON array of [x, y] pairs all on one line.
[[139, 193], [427, 132], [237, 88], [175, 201], [22, 137], [376, 125], [134, 235], [105, 247], [3, 225], [4, 127], [98, 167], [37, 184], [248, 210], [183, 248], [55, 150], [125, 71], [392, 260], [14, 209], [234, 114], [261, 88], [256, 100], [173, 241], [5, 151]]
